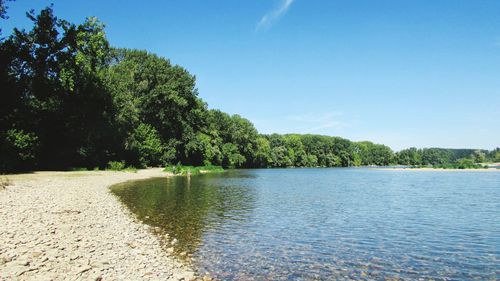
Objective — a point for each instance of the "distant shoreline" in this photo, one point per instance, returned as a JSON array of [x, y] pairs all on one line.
[[438, 170]]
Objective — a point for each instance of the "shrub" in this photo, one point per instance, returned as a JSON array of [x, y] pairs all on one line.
[[78, 169], [18, 150], [130, 169], [116, 165]]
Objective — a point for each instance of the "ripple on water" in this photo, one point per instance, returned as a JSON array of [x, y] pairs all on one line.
[[342, 224]]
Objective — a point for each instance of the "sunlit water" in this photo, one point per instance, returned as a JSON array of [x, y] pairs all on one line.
[[303, 224]]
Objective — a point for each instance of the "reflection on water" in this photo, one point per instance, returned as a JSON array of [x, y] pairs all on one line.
[[309, 224], [184, 207]]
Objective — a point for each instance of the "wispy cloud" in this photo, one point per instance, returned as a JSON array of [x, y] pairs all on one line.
[[318, 123], [273, 15]]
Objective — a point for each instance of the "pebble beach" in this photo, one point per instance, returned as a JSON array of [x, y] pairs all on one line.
[[68, 226]]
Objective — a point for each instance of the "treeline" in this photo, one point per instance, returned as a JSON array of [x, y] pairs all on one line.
[[440, 156], [70, 100]]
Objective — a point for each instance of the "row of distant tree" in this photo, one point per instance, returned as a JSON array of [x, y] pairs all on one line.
[[438, 156], [70, 100]]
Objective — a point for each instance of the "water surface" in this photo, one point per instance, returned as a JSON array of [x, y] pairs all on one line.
[[303, 224]]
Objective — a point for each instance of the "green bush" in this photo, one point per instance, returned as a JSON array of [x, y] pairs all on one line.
[[146, 144], [78, 169], [18, 150], [116, 165], [130, 169], [462, 163]]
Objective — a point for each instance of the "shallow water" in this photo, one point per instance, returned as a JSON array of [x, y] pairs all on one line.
[[303, 224]]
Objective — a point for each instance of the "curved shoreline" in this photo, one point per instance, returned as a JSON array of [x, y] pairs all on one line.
[[68, 225]]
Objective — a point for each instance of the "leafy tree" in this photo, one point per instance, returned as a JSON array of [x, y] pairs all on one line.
[[146, 146], [312, 161], [375, 154], [478, 156], [18, 150], [495, 155], [3, 11], [262, 157], [148, 89], [201, 150], [231, 156], [70, 100], [410, 156], [465, 163], [279, 157], [296, 152], [55, 95]]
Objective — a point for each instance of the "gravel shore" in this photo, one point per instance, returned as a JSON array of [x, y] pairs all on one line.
[[68, 226]]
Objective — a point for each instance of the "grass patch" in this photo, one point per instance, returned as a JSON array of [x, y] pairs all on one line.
[[118, 166], [130, 169], [192, 170], [78, 169]]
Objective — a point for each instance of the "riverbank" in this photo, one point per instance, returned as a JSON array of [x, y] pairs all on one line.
[[438, 170], [67, 225]]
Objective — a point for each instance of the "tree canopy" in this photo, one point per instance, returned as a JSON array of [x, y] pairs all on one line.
[[69, 100]]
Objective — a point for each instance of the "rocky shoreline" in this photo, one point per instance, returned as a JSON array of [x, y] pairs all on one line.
[[68, 226]]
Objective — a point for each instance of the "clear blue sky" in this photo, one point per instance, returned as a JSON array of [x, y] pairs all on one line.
[[404, 73]]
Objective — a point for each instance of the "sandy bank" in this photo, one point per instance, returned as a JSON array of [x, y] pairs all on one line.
[[67, 226]]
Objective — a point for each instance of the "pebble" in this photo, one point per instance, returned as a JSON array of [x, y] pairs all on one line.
[[23, 262], [54, 223]]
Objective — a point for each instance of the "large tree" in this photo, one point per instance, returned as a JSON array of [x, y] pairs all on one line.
[[148, 89], [51, 77]]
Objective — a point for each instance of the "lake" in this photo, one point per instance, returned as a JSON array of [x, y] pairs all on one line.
[[345, 223]]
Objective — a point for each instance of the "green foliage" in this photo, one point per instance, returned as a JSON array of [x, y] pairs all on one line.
[[262, 156], [191, 170], [410, 156], [148, 89], [70, 100], [374, 154], [462, 163], [323, 151], [130, 169], [146, 145], [78, 169], [52, 87], [202, 150], [231, 156], [467, 163], [116, 165], [478, 156], [444, 158], [3, 11], [18, 150]]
